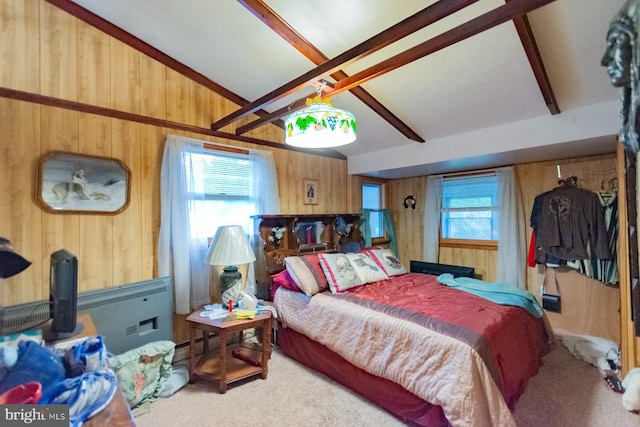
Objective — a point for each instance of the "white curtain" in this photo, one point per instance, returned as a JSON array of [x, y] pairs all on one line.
[[181, 256], [264, 191], [512, 244], [265, 184], [432, 207]]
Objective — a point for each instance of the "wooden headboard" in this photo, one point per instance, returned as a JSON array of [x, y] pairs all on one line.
[[279, 236]]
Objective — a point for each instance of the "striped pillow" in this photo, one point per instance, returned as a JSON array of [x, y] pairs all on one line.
[[306, 272]]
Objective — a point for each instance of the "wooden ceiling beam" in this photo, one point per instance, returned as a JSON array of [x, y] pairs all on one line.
[[535, 59], [419, 20], [477, 25], [305, 47], [275, 115]]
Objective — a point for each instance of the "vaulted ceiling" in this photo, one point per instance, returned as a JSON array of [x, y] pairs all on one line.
[[435, 86]]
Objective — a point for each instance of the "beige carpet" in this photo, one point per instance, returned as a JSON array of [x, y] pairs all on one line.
[[566, 392]]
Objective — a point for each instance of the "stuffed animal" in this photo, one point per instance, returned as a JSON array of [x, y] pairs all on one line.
[[631, 396]]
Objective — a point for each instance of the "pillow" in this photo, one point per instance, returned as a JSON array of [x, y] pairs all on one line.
[[144, 371], [307, 273], [285, 280], [366, 268], [387, 260], [339, 272]]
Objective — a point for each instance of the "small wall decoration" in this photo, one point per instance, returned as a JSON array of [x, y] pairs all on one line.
[[310, 192], [70, 183], [409, 202]]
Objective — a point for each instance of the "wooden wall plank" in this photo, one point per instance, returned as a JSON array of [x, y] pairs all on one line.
[[125, 146], [20, 24], [199, 106], [58, 53], [22, 223], [152, 88], [177, 97], [409, 223], [94, 70], [125, 77], [151, 150]]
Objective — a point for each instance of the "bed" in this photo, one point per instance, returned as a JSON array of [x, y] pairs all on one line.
[[430, 354]]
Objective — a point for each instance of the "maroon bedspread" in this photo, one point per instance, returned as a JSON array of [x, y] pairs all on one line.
[[510, 340]]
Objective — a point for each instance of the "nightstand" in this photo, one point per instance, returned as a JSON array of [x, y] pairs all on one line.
[[222, 366]]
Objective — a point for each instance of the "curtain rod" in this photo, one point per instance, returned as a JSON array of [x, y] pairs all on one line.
[[472, 173]]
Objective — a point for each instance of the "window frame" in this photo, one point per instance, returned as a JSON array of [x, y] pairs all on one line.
[[465, 243], [384, 196]]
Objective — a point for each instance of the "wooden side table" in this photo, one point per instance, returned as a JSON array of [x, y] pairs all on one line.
[[221, 366]]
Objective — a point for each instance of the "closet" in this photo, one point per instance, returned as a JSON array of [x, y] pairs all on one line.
[[589, 306]]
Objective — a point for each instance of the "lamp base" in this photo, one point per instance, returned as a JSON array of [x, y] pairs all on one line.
[[230, 285]]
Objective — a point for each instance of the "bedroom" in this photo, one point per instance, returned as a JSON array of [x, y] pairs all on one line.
[[61, 58]]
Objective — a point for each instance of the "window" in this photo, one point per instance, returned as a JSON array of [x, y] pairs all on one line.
[[373, 198], [225, 180], [469, 208]]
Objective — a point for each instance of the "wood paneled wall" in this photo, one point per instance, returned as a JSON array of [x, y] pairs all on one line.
[[47, 52]]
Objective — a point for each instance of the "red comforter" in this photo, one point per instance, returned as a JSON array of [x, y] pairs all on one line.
[[509, 340]]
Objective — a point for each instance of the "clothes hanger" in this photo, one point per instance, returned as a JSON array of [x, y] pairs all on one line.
[[607, 193], [572, 181]]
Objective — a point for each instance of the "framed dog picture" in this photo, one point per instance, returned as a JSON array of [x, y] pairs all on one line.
[[70, 183]]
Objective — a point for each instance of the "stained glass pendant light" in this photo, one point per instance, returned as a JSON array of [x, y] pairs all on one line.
[[319, 125]]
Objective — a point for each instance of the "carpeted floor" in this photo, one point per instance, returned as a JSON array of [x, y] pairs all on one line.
[[566, 392]]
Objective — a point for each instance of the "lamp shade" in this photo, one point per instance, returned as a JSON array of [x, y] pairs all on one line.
[[230, 246], [319, 125], [11, 263]]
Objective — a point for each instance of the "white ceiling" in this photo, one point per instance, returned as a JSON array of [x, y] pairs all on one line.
[[476, 103]]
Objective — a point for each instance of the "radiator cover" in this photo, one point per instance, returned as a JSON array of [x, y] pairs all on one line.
[[127, 316]]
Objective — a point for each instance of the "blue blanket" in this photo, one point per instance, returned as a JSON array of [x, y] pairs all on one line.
[[500, 293]]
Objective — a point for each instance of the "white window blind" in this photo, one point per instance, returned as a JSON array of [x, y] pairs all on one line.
[[469, 208], [225, 179]]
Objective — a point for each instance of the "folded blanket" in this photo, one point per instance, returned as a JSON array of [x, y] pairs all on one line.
[[500, 293]]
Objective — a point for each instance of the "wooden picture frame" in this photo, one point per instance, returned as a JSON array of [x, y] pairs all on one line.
[[310, 192], [72, 183]]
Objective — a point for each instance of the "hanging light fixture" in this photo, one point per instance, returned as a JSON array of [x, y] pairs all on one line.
[[319, 124]]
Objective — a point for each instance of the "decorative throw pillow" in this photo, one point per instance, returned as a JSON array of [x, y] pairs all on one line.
[[386, 259], [143, 372], [366, 268], [339, 272], [285, 280], [307, 273]]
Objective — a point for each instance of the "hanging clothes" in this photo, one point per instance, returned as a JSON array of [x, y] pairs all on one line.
[[609, 268], [604, 270], [568, 224]]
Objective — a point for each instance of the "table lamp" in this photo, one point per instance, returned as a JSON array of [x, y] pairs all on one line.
[[230, 247]]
